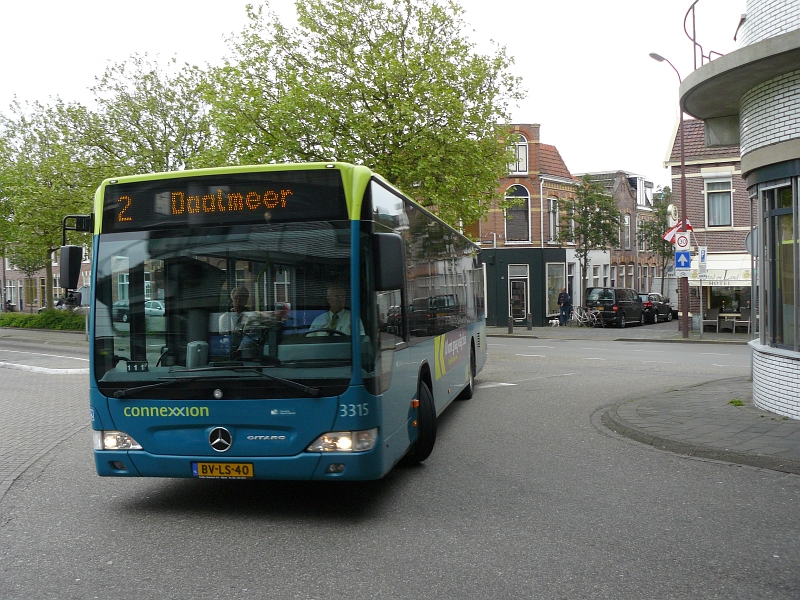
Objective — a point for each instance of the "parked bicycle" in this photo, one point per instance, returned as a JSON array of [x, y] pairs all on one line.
[[585, 317]]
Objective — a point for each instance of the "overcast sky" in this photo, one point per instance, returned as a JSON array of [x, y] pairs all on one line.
[[590, 84]]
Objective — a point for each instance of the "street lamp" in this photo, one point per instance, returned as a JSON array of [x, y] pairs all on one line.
[[684, 300]]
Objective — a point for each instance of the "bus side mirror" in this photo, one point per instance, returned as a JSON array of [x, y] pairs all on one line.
[[70, 266], [389, 261]]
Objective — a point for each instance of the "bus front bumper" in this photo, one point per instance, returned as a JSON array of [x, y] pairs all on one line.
[[307, 466]]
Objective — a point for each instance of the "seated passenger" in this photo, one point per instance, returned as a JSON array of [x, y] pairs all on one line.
[[338, 317], [236, 319]]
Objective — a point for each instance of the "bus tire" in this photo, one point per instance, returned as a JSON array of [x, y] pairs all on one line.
[[468, 391], [426, 427]]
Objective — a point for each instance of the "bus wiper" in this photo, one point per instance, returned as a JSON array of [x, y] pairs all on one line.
[[140, 388], [311, 391]]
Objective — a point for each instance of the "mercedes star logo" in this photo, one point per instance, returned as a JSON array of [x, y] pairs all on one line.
[[220, 439]]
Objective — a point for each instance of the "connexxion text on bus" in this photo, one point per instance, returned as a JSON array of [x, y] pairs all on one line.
[[300, 321]]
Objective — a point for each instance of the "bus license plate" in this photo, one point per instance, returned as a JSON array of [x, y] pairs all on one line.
[[209, 470]]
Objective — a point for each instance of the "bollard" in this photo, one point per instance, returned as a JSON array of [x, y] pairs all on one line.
[[530, 321], [510, 324]]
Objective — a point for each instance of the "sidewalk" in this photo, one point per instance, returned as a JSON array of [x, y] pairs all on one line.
[[698, 420], [45, 336]]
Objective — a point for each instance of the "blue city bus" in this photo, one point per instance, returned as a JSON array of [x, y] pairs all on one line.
[[214, 353]]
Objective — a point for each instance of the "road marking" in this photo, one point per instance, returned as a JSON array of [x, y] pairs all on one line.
[[592, 358], [492, 384], [532, 355], [551, 347], [715, 354], [546, 377], [44, 370]]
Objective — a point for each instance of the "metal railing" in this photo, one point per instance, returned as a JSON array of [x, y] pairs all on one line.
[[704, 58]]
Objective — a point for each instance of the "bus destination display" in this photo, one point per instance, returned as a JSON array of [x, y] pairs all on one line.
[[225, 200]]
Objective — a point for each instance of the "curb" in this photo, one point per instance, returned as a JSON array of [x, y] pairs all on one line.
[[614, 422], [664, 340]]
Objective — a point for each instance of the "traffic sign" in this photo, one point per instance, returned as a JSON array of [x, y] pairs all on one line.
[[682, 240], [683, 263], [683, 259]]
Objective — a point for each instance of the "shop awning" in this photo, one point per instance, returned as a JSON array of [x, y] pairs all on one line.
[[724, 270]]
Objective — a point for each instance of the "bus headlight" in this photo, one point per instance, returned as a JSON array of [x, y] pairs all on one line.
[[345, 441], [114, 440]]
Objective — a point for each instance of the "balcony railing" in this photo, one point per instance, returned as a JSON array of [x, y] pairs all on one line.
[[698, 48]]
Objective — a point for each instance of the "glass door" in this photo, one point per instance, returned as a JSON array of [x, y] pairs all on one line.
[[518, 307]]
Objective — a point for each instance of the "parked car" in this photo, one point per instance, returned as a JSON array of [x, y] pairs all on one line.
[[120, 311], [656, 307], [618, 306], [154, 307]]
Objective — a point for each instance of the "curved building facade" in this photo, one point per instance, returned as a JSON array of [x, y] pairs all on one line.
[[752, 97]]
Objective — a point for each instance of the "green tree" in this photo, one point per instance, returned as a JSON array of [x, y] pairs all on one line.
[[392, 84], [46, 175], [651, 230], [590, 221], [148, 118]]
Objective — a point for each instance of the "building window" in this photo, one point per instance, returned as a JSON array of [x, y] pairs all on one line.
[[595, 276], [553, 212], [605, 275], [282, 284], [719, 203], [626, 231], [644, 287], [782, 240], [631, 280], [613, 282], [122, 286], [520, 165], [518, 214], [640, 238]]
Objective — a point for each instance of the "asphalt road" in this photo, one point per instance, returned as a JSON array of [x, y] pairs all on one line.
[[526, 495]]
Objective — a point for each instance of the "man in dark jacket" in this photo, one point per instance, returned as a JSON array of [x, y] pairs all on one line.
[[565, 303]]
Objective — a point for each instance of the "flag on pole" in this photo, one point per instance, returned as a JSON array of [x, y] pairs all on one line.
[[669, 236]]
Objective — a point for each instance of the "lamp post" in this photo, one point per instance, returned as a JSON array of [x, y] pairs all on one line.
[[684, 303]]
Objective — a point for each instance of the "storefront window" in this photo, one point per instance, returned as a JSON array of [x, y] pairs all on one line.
[[782, 248]]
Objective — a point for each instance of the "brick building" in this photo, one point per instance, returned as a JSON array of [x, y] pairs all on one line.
[[526, 264], [721, 215], [632, 264]]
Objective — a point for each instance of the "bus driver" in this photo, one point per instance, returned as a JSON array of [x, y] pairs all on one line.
[[338, 317]]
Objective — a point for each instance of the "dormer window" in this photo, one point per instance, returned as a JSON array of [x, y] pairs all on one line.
[[520, 147]]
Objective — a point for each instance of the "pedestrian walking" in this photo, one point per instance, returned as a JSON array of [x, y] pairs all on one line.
[[565, 306]]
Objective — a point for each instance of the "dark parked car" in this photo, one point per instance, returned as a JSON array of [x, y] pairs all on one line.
[[618, 306], [656, 307], [120, 311]]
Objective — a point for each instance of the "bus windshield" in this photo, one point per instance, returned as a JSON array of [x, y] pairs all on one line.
[[246, 303]]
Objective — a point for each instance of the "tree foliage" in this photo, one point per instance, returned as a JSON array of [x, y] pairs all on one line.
[[148, 118], [46, 175], [392, 84], [590, 221], [651, 230]]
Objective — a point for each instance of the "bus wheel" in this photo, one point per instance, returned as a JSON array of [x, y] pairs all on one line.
[[468, 391], [426, 427]]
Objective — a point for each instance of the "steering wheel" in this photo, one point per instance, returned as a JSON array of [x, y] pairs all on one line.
[[325, 330]]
